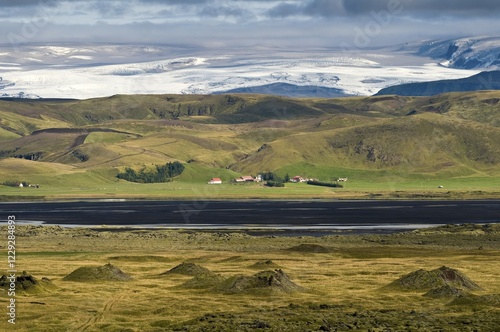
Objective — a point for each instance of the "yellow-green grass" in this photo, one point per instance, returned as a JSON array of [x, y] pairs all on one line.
[[63, 181], [348, 278], [96, 185], [26, 125], [478, 106], [103, 137], [6, 135]]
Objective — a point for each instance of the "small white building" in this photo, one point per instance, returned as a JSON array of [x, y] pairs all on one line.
[[215, 181], [298, 179]]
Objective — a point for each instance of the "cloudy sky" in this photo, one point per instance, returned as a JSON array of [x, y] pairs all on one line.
[[218, 24]]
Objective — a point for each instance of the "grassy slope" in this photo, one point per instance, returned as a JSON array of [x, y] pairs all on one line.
[[449, 140]]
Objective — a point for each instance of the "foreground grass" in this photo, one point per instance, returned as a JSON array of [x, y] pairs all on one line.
[[343, 285]]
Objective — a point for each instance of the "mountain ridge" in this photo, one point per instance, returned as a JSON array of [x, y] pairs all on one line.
[[290, 90], [465, 53], [487, 80]]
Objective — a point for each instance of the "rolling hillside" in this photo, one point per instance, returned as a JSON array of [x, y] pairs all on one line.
[[382, 138]]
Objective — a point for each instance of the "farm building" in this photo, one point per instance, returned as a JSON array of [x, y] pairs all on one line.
[[245, 178], [298, 179], [215, 181]]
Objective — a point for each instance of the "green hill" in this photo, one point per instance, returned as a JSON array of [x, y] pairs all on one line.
[[391, 139]]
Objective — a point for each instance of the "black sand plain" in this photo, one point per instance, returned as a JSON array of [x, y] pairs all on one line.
[[311, 215]]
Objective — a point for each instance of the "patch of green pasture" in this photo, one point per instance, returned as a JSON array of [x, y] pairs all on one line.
[[387, 180], [6, 135], [103, 137], [26, 125], [202, 174], [56, 253]]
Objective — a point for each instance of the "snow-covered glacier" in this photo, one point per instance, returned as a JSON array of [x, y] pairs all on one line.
[[97, 70]]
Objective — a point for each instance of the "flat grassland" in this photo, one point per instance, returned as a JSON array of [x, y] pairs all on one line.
[[341, 278], [362, 185]]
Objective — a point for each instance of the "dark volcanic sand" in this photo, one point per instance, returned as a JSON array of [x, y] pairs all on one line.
[[292, 217]]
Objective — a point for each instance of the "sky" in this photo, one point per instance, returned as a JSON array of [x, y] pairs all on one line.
[[234, 24]]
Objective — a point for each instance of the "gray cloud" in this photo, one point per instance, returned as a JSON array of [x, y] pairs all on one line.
[[426, 7], [280, 23], [324, 8], [420, 8], [283, 10], [289, 8], [27, 3], [178, 2], [223, 11], [110, 8]]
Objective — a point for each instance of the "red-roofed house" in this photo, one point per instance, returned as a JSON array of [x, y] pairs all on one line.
[[215, 181], [245, 178], [297, 179]]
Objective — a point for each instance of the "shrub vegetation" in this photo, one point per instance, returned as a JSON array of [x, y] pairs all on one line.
[[272, 180], [325, 184], [12, 183], [160, 174]]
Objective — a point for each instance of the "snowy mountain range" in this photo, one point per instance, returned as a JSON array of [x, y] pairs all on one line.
[[465, 53], [96, 70]]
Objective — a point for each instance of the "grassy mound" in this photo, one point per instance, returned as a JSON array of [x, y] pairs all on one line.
[[426, 280], [475, 300], [204, 281], [311, 247], [188, 269], [269, 264], [264, 282], [445, 292], [27, 284], [106, 272], [492, 229]]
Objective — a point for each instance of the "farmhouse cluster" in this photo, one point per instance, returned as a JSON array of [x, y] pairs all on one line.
[[20, 184], [244, 178], [258, 178]]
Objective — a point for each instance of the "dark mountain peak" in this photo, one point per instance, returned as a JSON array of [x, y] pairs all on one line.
[[487, 80]]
